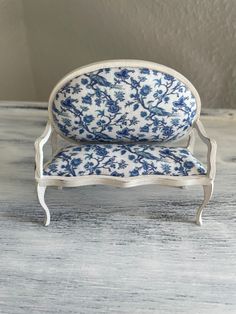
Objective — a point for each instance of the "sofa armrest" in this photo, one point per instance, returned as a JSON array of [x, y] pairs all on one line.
[[39, 143], [211, 151]]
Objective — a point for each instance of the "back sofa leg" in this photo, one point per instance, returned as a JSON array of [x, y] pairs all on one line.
[[41, 193], [208, 190]]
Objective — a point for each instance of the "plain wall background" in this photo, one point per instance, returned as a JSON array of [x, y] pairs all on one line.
[[16, 73], [42, 40]]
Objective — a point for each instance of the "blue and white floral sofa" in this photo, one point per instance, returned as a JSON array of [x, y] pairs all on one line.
[[122, 120]]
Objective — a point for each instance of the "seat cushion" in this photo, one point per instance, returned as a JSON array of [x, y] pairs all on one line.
[[123, 160]]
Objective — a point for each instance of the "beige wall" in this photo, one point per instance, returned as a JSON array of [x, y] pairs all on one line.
[[16, 77], [196, 37]]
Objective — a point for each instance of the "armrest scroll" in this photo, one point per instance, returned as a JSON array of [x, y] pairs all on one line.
[[211, 151], [39, 143]]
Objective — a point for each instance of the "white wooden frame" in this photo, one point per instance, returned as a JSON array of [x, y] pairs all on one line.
[[207, 181]]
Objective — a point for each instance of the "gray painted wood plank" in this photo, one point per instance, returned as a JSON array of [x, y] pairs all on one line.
[[111, 250]]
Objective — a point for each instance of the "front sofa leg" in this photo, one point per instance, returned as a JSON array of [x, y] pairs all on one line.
[[41, 192], [208, 190]]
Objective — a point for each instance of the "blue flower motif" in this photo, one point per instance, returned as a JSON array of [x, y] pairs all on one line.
[[134, 82], [123, 74], [98, 93], [188, 164], [68, 102], [84, 81], [87, 100], [98, 101], [101, 122], [179, 102], [113, 108], [201, 170], [122, 165], [144, 129], [145, 90], [75, 162], [134, 173], [175, 121], [144, 71], [134, 121], [166, 151], [52, 167], [146, 167], [166, 168], [78, 149], [184, 151], [64, 129], [89, 166], [124, 132], [117, 174], [156, 122], [143, 114], [166, 99], [167, 131], [88, 119], [67, 122], [168, 77], [131, 157], [74, 89], [136, 106], [120, 96], [101, 151]]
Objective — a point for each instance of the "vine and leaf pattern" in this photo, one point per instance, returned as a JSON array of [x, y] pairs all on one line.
[[124, 104], [123, 160]]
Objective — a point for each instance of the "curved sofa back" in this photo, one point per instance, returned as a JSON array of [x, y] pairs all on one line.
[[124, 101]]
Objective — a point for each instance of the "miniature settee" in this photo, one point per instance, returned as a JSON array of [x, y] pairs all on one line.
[[122, 120]]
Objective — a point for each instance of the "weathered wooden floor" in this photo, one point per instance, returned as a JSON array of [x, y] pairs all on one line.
[[111, 250]]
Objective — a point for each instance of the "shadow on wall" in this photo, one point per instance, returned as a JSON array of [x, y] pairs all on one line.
[[196, 38]]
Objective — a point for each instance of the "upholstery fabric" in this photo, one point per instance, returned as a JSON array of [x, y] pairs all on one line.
[[123, 104], [123, 160]]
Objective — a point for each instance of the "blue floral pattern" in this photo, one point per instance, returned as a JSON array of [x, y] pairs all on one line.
[[124, 104], [123, 160]]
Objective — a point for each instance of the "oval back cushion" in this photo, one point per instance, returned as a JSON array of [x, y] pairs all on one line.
[[123, 104]]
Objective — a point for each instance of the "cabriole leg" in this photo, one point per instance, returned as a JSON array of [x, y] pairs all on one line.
[[41, 193], [208, 190]]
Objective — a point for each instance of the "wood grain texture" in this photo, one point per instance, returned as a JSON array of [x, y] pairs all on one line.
[[111, 250]]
